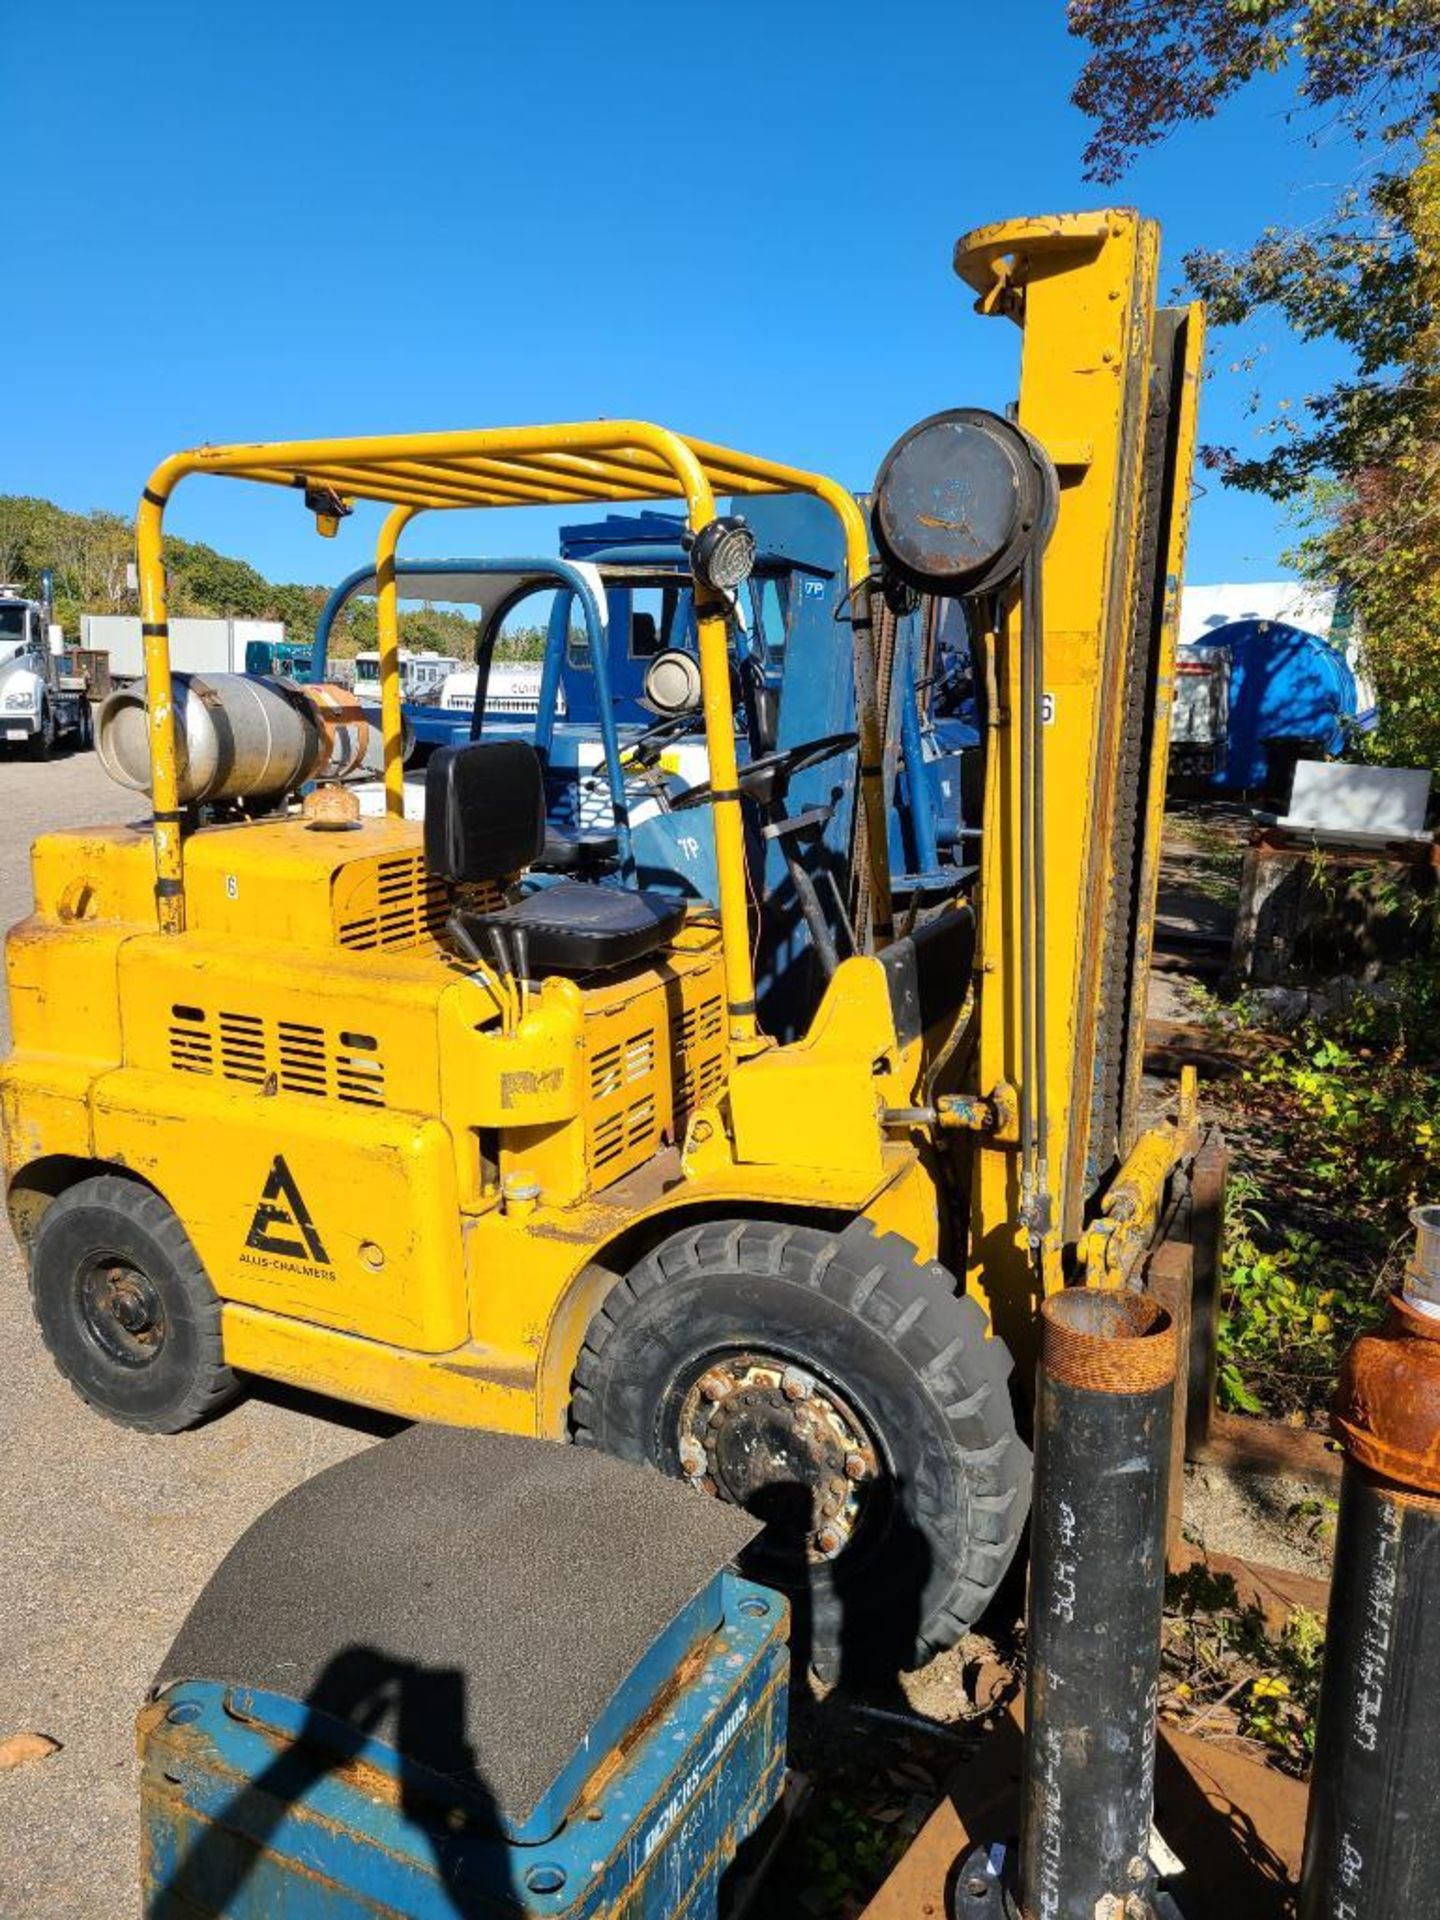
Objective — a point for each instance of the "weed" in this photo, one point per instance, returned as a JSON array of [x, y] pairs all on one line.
[[1344, 1119], [1226, 1670]]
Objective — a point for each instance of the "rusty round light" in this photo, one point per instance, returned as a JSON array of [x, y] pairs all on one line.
[[959, 500]]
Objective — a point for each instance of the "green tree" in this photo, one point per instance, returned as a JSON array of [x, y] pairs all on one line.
[[1358, 458]]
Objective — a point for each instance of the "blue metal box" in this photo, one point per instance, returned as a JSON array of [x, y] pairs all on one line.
[[250, 1809]]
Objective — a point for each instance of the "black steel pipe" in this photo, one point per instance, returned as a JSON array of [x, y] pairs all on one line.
[[1372, 1837], [1097, 1592]]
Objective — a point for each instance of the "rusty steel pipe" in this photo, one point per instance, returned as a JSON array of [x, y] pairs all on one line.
[[1097, 1591], [1372, 1836]]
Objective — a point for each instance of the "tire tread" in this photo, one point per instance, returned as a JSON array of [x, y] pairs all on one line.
[[913, 1305], [214, 1384]]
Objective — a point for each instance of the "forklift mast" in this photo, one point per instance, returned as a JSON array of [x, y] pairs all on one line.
[[1108, 387]]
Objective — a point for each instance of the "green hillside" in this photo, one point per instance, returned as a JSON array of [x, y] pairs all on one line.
[[88, 554]]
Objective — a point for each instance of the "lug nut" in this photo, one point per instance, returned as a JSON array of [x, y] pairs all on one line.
[[714, 1387], [796, 1385], [857, 1467], [828, 1541], [692, 1458]]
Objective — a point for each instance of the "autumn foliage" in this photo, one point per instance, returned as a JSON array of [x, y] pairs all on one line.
[[1359, 458]]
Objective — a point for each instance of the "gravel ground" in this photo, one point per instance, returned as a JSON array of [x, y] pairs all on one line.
[[1276, 1520], [106, 1536]]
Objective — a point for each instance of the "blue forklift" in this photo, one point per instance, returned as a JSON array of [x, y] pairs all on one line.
[[617, 722]]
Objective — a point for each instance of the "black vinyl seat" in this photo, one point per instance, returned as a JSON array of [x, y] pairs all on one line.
[[578, 927], [485, 821]]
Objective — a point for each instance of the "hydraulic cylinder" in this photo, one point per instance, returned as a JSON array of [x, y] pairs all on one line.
[[1097, 1591], [1372, 1840]]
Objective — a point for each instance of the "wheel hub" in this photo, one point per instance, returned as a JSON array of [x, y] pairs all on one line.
[[122, 1312], [772, 1438]]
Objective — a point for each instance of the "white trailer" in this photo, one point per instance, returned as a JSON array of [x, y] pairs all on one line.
[[196, 645]]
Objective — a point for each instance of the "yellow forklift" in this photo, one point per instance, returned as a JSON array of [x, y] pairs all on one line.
[[379, 1109]]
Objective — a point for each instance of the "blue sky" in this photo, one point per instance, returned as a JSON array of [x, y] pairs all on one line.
[[249, 220]]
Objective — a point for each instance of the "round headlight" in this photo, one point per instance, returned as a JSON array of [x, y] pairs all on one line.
[[959, 500], [723, 553], [672, 683]]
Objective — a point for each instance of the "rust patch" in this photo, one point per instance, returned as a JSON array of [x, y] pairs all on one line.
[[1107, 1341], [522, 1378], [522, 1084], [1387, 1405]]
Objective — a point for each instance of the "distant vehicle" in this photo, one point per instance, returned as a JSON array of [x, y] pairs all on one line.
[[290, 659], [1199, 715], [422, 676], [196, 645], [40, 704], [512, 688]]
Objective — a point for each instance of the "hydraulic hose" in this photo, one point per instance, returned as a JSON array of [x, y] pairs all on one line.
[[1027, 920], [1032, 640]]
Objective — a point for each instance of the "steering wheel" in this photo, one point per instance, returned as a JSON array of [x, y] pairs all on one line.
[[765, 779], [643, 751]]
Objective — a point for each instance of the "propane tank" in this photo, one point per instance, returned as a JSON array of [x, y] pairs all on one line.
[[239, 737]]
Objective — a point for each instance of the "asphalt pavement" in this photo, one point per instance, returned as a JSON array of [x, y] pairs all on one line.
[[106, 1536]]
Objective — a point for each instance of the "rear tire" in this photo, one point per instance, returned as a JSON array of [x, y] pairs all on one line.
[[126, 1309], [880, 1445]]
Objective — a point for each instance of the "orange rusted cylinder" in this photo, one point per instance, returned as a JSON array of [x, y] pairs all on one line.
[[1387, 1404]]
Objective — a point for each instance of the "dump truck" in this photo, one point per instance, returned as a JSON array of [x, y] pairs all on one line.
[[370, 1107], [41, 705]]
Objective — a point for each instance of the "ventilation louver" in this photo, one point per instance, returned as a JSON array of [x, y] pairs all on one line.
[[296, 1056]]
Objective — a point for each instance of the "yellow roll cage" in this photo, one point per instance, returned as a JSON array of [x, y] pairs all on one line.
[[587, 462]]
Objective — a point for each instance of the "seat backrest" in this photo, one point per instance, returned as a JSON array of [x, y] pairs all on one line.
[[484, 811]]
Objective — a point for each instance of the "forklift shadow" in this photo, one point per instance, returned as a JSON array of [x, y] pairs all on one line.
[[320, 1406], [362, 1693]]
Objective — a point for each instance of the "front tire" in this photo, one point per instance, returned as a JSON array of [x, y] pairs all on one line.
[[126, 1309], [843, 1392], [42, 747]]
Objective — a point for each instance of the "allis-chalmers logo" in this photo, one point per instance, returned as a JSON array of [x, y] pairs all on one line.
[[282, 1227]]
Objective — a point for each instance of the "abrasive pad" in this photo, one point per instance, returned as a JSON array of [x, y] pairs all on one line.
[[474, 1599]]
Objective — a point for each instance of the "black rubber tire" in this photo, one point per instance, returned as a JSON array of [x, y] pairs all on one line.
[[42, 745], [892, 1335], [107, 1218]]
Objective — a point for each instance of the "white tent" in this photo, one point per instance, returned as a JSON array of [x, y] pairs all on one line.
[[1298, 604]]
